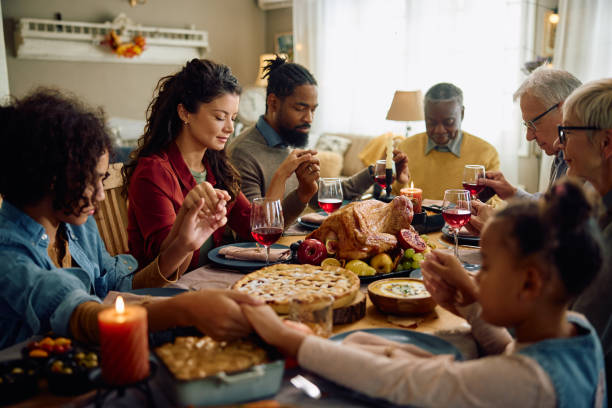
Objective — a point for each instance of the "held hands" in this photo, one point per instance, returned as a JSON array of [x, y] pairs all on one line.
[[216, 313], [296, 158], [308, 174], [481, 212], [299, 161], [401, 166], [497, 181], [449, 284], [287, 337]]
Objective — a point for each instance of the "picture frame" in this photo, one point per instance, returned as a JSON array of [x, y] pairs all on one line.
[[283, 44]]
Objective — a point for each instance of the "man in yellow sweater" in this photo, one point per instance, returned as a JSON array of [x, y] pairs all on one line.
[[437, 157]]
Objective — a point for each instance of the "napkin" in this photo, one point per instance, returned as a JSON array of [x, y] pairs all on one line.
[[314, 218], [254, 254], [464, 232]]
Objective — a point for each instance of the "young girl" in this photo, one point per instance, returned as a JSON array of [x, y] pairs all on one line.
[[536, 259], [54, 268], [188, 125]]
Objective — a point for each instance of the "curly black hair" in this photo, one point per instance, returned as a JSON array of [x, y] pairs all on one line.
[[50, 144], [284, 77], [562, 231], [200, 81]]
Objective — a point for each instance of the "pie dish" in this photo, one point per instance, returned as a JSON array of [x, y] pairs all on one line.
[[280, 284]]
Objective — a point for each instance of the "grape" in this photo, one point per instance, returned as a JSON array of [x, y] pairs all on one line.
[[406, 266], [409, 253], [418, 257], [416, 264]]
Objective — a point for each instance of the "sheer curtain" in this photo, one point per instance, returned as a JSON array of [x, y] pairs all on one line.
[[361, 51]]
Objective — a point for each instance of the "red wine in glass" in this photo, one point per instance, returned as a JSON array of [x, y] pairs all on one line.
[[456, 217], [382, 180], [329, 205], [474, 189], [267, 236]]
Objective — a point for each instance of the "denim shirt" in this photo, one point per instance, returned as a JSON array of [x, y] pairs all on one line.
[[35, 295], [575, 366]]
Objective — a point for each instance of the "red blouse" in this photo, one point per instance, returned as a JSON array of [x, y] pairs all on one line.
[[157, 189]]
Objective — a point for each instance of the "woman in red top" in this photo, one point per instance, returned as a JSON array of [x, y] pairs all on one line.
[[188, 123]]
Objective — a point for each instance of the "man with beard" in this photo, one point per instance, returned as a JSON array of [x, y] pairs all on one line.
[[437, 157], [291, 101]]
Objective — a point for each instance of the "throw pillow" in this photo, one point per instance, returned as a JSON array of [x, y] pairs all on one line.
[[331, 163], [333, 143]]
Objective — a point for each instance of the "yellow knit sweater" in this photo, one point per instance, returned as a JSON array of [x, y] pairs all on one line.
[[439, 171]]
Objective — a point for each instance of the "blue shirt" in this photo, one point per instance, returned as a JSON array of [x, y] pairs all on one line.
[[453, 146], [35, 295], [273, 139]]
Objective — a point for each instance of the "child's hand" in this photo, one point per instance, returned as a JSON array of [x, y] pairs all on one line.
[[449, 284], [271, 328]]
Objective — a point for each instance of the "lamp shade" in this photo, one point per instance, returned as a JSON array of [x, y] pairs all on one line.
[[406, 106], [259, 81]]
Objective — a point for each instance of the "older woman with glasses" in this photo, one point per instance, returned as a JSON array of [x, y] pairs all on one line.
[[586, 139]]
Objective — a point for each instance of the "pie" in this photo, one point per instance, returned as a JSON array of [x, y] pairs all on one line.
[[190, 358], [280, 284]]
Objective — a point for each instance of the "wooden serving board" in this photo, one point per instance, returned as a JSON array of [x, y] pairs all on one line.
[[353, 312]]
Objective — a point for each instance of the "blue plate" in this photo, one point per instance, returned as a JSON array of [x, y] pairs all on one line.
[[427, 342], [214, 256], [167, 292], [461, 239], [310, 225]]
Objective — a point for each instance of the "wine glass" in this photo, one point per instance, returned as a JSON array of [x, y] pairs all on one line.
[[380, 173], [456, 210], [471, 174], [266, 222], [330, 194]]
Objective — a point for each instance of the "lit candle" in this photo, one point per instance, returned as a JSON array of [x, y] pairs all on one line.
[[415, 195], [124, 343]]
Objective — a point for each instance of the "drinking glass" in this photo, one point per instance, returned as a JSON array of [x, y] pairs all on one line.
[[330, 194], [315, 312], [380, 173], [471, 174], [266, 222], [456, 210]]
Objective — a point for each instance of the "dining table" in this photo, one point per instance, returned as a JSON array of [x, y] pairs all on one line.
[[439, 322]]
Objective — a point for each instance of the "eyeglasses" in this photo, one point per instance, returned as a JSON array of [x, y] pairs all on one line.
[[530, 124], [563, 133]]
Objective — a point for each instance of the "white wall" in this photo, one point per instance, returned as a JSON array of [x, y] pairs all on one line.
[[4, 83], [236, 30]]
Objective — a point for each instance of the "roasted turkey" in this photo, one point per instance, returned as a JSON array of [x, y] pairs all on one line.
[[366, 228]]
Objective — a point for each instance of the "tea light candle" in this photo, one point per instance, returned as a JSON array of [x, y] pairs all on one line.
[[415, 195], [124, 343]]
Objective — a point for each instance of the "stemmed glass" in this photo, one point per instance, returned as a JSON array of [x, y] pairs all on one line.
[[471, 174], [380, 173], [456, 210], [266, 222], [330, 194]]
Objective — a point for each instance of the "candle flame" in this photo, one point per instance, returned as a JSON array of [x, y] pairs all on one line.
[[119, 305], [412, 184]]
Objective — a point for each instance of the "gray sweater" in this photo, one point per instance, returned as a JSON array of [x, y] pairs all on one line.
[[257, 162]]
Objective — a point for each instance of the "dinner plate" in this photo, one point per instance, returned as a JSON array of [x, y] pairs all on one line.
[[165, 292], [310, 225], [412, 273], [462, 239], [214, 256], [428, 342]]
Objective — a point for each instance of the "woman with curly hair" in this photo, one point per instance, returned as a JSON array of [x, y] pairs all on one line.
[[183, 147], [54, 268]]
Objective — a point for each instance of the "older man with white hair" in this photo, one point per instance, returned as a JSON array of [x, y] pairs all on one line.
[[541, 98], [586, 139]]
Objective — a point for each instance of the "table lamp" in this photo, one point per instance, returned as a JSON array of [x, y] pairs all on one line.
[[405, 107]]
